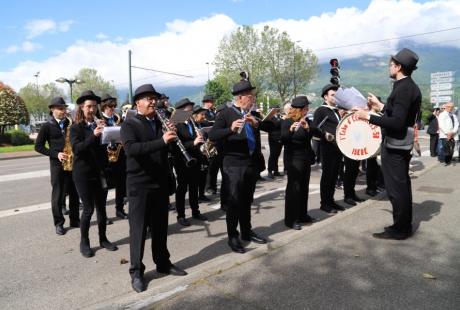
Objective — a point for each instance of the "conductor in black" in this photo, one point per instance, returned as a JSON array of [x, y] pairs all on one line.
[[330, 153], [399, 114], [238, 131], [148, 186]]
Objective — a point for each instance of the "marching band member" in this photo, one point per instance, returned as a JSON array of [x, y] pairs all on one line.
[[54, 133], [241, 162], [187, 177], [215, 161], [273, 127], [330, 153], [117, 168], [148, 186], [90, 161], [296, 136]]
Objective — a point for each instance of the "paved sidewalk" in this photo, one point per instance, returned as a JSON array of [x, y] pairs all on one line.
[[15, 155]]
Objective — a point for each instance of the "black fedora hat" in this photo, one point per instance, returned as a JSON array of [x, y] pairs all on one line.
[[143, 90], [107, 97], [57, 102], [184, 102], [163, 97], [208, 98], [407, 58], [88, 95], [327, 88], [241, 87], [198, 109], [300, 102]]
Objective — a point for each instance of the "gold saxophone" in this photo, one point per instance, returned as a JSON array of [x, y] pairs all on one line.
[[67, 164], [114, 152]]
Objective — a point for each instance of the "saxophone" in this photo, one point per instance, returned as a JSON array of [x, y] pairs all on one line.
[[67, 164], [113, 151], [207, 149]]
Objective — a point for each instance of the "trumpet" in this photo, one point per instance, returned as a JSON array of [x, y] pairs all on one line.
[[189, 160]]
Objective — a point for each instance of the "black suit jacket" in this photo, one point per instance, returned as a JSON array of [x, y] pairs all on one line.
[[51, 132], [433, 125], [273, 127], [146, 154], [297, 144], [235, 148], [401, 109], [90, 157], [330, 125]]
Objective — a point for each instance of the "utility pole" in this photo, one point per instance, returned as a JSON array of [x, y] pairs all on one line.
[[130, 79]]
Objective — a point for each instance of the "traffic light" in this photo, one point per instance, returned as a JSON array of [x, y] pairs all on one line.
[[335, 71]]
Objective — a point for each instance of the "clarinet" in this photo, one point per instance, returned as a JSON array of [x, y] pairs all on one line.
[[189, 160]]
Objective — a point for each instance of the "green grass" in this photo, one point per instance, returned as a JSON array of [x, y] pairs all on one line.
[[19, 148]]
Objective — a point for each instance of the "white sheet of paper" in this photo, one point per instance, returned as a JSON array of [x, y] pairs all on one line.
[[348, 98], [111, 134], [180, 116]]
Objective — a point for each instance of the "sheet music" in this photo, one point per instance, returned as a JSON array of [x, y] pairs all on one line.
[[180, 116], [111, 135], [348, 98]]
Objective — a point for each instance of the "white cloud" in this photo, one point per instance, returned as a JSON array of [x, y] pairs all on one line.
[[38, 27], [184, 47], [101, 36], [26, 47]]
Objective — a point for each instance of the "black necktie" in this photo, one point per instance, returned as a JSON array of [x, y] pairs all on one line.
[[152, 125], [452, 119]]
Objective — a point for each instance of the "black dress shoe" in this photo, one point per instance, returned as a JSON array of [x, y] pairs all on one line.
[[172, 270], [337, 206], [60, 230], [371, 192], [270, 175], [120, 213], [211, 191], [295, 226], [85, 250], [138, 284], [277, 174], [307, 219], [109, 222], [203, 198], [183, 221], [388, 228], [350, 201], [200, 217], [171, 207], [391, 235], [236, 245], [252, 236], [328, 209], [109, 246], [357, 199], [75, 224]]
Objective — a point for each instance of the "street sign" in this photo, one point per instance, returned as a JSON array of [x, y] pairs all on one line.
[[442, 80], [441, 93], [442, 74], [443, 86], [440, 99]]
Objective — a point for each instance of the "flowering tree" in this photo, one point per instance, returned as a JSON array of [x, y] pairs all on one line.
[[13, 111]]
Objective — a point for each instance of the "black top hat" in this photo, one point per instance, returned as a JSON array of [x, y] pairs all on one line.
[[107, 97], [208, 98], [88, 95], [143, 90], [163, 97], [327, 88], [57, 102], [198, 109], [300, 102], [241, 87], [407, 58], [184, 102]]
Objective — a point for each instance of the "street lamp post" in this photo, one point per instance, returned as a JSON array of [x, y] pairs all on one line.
[[208, 70], [70, 82]]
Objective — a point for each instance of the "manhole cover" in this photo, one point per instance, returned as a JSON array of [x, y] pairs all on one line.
[[435, 190]]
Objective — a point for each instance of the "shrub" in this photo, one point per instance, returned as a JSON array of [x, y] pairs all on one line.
[[19, 137]]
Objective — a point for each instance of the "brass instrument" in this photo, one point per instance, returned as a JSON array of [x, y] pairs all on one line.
[[113, 150], [207, 148], [67, 163], [189, 160]]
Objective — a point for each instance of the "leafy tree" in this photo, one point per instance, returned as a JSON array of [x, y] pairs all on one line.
[[93, 81], [13, 111], [218, 90], [38, 98]]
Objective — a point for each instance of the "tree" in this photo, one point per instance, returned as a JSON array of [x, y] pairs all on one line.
[[93, 81], [37, 98], [218, 90], [13, 111], [273, 60]]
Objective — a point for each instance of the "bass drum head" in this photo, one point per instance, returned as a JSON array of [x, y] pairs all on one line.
[[358, 139]]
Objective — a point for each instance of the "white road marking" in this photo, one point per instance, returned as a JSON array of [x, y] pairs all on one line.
[[25, 175]]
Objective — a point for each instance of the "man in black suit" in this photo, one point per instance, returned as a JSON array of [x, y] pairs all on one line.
[[54, 132], [238, 131], [331, 156], [399, 114], [116, 169], [148, 184], [433, 131], [273, 127], [187, 177]]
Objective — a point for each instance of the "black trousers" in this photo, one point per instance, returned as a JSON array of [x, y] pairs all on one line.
[[395, 168], [204, 167], [372, 173], [215, 163], [93, 197], [349, 177], [239, 184], [330, 163], [187, 179], [147, 208], [275, 152], [296, 198], [434, 145], [61, 181]]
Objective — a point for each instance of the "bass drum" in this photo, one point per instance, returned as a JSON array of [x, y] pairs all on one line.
[[357, 138]]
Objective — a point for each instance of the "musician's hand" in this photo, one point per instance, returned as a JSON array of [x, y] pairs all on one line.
[[363, 114], [171, 126], [449, 135], [252, 121], [198, 140], [62, 156], [374, 103], [293, 126], [98, 131], [237, 124], [169, 136], [304, 124]]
